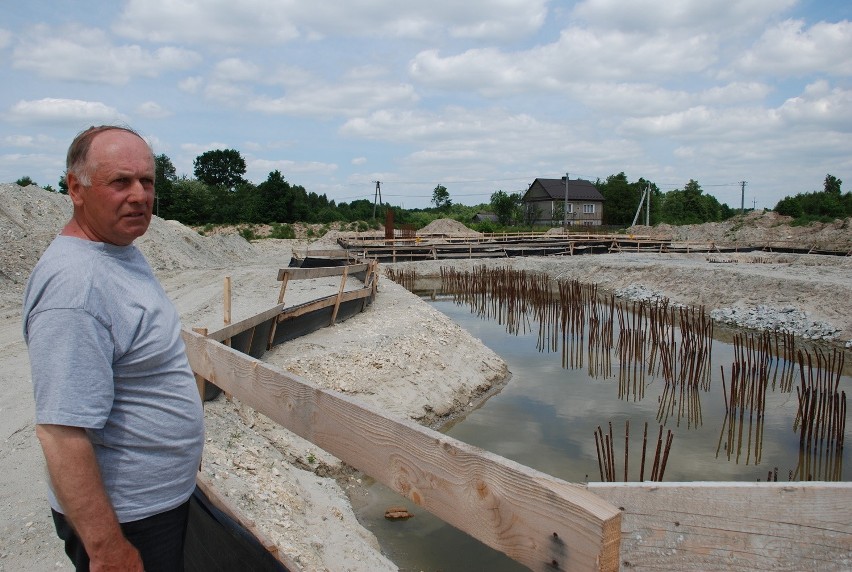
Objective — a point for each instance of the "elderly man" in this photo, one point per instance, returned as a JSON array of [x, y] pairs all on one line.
[[118, 414]]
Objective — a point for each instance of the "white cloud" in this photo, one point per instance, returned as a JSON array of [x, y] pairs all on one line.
[[64, 111], [579, 56], [196, 149], [87, 55], [323, 100], [152, 110], [358, 161], [201, 22], [652, 17], [236, 69], [231, 81], [470, 140], [791, 49], [642, 100], [191, 84], [736, 92], [28, 141], [701, 122], [264, 22], [820, 107]]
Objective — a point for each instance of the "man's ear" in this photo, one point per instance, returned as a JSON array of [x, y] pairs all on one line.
[[75, 189]]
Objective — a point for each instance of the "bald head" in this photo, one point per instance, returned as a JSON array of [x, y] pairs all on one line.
[[78, 159]]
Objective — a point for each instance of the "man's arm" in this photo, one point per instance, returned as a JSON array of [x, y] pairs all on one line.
[[77, 485]]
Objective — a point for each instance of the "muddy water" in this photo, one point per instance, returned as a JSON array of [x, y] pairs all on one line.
[[546, 418]]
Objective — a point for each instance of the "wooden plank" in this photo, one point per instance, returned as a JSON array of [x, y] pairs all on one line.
[[241, 326], [339, 296], [283, 313], [200, 383], [335, 253], [320, 303], [540, 521], [284, 280], [733, 526], [226, 301], [321, 272]]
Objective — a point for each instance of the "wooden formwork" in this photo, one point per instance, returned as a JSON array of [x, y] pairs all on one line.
[[538, 520]]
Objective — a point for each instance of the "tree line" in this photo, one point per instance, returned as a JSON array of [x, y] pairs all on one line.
[[219, 194]]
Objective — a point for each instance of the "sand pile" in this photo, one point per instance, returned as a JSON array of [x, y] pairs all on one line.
[[448, 226], [30, 218]]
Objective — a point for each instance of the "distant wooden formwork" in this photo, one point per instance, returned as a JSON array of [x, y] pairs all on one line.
[[500, 245], [540, 521]]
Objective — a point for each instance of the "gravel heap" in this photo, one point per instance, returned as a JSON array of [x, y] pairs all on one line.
[[788, 319], [640, 293]]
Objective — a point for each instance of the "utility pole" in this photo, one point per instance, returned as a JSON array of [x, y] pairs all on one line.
[[742, 198], [646, 195], [565, 206], [377, 196]]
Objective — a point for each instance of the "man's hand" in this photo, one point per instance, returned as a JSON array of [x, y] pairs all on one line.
[[118, 558], [77, 485]]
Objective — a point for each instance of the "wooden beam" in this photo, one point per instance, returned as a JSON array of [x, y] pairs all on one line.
[[320, 303], [734, 526], [234, 329], [321, 272], [540, 521], [284, 280], [200, 383], [226, 301], [339, 295]]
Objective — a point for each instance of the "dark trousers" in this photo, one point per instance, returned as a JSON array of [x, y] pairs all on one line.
[[159, 540]]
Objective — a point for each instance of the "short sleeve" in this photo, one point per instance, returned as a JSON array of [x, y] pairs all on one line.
[[71, 356]]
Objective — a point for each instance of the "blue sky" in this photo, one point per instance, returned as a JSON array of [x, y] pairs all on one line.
[[478, 96]]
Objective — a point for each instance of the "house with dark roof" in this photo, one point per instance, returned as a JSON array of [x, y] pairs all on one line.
[[545, 199], [485, 216]]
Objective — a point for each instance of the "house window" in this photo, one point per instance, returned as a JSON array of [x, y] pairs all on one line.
[[589, 209], [570, 208]]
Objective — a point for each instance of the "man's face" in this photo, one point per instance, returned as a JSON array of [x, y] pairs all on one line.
[[117, 207]]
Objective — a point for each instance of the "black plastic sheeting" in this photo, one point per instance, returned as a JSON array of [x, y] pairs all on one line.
[[217, 543]]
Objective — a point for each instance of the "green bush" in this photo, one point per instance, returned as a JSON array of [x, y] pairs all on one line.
[[247, 233], [485, 226], [282, 231]]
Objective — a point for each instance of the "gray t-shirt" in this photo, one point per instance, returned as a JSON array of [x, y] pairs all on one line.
[[106, 354]]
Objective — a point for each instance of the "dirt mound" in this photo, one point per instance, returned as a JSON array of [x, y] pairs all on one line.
[[31, 217], [448, 226], [758, 229]]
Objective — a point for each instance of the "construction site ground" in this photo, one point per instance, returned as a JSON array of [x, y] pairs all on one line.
[[400, 355]]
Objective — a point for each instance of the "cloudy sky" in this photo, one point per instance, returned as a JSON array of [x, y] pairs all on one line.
[[477, 95]]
